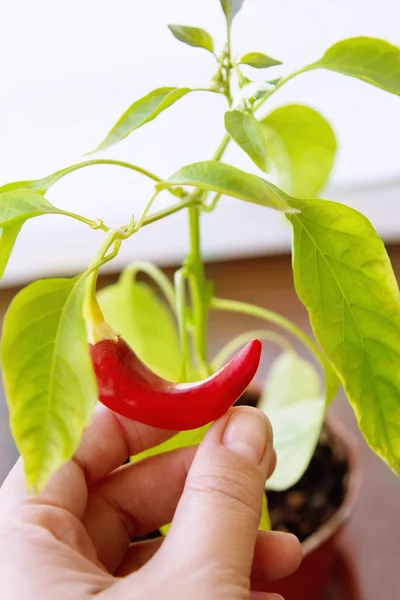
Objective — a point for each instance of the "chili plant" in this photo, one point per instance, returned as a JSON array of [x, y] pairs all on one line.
[[341, 269]]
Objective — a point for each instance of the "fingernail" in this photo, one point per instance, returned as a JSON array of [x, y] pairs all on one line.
[[246, 434]]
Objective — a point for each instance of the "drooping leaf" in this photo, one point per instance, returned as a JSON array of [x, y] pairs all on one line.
[[8, 237], [344, 277], [193, 36], [140, 112], [370, 59], [246, 131], [47, 373], [294, 401], [16, 207], [231, 8], [258, 60], [302, 145], [225, 179], [19, 205], [145, 322]]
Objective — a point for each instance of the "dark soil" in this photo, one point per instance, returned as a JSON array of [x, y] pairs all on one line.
[[311, 502]]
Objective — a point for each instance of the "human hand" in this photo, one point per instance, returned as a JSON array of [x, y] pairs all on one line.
[[74, 539]]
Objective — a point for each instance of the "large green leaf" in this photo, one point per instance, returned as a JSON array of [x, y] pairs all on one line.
[[225, 179], [48, 377], [302, 145], [193, 36], [142, 111], [294, 401], [246, 131], [231, 8], [370, 59], [344, 277], [135, 311], [258, 60]]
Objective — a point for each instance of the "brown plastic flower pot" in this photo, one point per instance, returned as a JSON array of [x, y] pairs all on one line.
[[311, 579]]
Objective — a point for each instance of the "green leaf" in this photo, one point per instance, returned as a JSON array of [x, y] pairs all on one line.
[[295, 404], [302, 145], [140, 112], [145, 322], [370, 59], [16, 207], [225, 179], [19, 205], [47, 373], [344, 277], [231, 8], [246, 131], [182, 439], [193, 36], [8, 237], [258, 60]]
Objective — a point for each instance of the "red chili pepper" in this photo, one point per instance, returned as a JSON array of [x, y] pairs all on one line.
[[131, 389]]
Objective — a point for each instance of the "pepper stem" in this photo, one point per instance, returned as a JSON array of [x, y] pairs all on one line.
[[96, 326]]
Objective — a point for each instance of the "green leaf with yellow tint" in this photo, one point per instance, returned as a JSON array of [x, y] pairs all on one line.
[[344, 277], [47, 373]]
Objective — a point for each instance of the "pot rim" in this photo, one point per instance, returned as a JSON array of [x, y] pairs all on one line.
[[329, 528]]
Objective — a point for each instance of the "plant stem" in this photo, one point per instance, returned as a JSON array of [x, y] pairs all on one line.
[[181, 311], [156, 275], [280, 83], [197, 285], [146, 210], [161, 214], [268, 315], [243, 338], [221, 148], [91, 310], [94, 224]]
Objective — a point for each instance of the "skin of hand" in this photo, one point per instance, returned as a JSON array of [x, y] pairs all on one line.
[[74, 539]]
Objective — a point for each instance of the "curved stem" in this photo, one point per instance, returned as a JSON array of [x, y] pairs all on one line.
[[280, 83], [94, 224], [242, 339], [214, 201], [99, 161], [146, 210], [222, 147], [268, 315], [161, 214], [181, 311], [157, 276], [91, 309]]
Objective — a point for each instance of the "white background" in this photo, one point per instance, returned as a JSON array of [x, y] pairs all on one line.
[[69, 69]]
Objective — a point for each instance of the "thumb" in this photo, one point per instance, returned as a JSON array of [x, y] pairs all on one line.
[[216, 521]]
